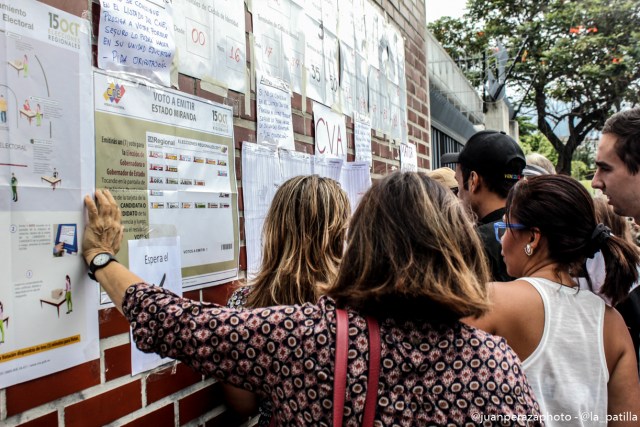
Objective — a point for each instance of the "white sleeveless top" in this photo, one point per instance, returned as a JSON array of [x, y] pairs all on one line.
[[568, 370]]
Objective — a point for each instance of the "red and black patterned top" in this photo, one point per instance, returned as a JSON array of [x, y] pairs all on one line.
[[430, 374]]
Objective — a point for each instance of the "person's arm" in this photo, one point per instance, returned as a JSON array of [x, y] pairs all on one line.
[[103, 233], [487, 321], [623, 387], [242, 402]]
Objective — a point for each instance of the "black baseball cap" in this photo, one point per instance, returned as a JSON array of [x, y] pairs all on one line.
[[490, 153]]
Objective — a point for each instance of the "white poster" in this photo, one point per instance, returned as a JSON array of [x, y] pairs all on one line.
[[275, 125], [48, 305], [279, 42], [260, 180], [168, 157], [210, 37], [355, 179], [137, 38], [156, 261], [330, 132], [332, 69], [408, 157], [293, 163], [314, 59], [362, 138], [347, 80]]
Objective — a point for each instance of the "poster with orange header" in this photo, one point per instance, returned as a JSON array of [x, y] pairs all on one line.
[[48, 305]]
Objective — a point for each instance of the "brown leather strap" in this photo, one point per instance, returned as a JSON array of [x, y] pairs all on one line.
[[374, 372], [340, 374]]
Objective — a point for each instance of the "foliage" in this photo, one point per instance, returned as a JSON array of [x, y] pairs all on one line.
[[538, 143], [577, 61]]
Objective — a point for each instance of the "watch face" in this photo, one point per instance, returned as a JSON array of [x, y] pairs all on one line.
[[101, 259]]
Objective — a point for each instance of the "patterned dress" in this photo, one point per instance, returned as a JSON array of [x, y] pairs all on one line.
[[238, 300], [430, 374]]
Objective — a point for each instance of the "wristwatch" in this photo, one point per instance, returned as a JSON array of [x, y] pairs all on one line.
[[99, 261]]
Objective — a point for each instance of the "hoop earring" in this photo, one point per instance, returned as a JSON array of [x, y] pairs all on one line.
[[528, 249]]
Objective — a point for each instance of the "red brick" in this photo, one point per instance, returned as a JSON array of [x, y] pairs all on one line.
[[187, 84], [241, 225], [194, 295], [52, 387], [49, 420], [117, 362], [304, 147], [164, 383], [296, 102], [379, 167], [208, 95], [243, 258], [112, 322], [105, 407], [220, 294], [74, 8], [241, 134], [240, 199], [298, 123], [200, 402], [160, 417]]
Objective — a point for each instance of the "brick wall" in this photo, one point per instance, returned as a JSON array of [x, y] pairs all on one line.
[[103, 391]]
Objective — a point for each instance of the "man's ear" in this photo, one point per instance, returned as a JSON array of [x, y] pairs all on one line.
[[474, 182]]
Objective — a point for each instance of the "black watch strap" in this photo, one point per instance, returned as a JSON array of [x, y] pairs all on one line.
[[99, 261]]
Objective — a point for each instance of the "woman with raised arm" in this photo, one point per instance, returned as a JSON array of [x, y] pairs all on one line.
[[576, 351], [383, 345]]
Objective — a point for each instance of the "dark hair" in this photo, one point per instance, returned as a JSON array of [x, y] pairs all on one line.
[[413, 253], [625, 125], [495, 183], [562, 209]]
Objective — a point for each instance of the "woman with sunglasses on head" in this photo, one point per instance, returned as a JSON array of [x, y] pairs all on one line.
[[576, 351]]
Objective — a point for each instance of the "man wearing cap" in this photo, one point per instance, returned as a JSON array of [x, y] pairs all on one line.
[[489, 164]]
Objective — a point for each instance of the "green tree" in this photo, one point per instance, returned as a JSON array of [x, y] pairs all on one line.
[[576, 61]]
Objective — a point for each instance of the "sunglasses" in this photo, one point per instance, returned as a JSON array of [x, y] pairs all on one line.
[[501, 227]]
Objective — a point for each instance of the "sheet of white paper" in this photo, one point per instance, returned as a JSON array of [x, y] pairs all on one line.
[[260, 180], [279, 42], [327, 167], [347, 80], [408, 157], [293, 163], [45, 172], [362, 138], [211, 40], [137, 38], [156, 261], [314, 59], [355, 179], [330, 132], [275, 125], [168, 159]]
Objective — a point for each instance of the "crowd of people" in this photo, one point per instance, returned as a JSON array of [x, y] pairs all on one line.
[[484, 295]]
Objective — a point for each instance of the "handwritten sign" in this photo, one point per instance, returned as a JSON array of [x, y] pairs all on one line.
[[408, 157], [362, 137], [275, 125], [136, 37], [330, 132]]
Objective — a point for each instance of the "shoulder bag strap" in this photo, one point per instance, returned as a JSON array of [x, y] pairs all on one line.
[[374, 372], [340, 374]]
